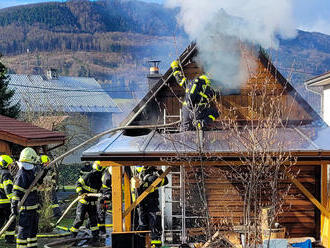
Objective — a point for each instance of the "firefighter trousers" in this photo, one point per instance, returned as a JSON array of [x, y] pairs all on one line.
[[82, 209], [27, 229], [4, 217], [148, 220]]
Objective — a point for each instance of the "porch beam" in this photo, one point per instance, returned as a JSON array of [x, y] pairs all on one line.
[[117, 199], [323, 210]]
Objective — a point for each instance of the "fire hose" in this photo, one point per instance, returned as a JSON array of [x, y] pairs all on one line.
[[72, 204], [52, 163]]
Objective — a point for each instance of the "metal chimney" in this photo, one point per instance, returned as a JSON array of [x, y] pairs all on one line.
[[154, 75]]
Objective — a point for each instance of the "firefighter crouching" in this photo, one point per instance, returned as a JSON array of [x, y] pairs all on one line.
[[198, 108], [90, 183], [6, 189], [105, 200], [28, 218], [49, 186], [148, 209]]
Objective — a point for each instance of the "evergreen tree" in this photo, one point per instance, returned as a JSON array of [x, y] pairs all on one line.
[[7, 108]]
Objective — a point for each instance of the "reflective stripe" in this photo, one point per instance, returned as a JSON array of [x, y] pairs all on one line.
[[89, 189], [15, 198], [73, 229], [21, 241], [193, 88], [78, 189], [1, 186], [83, 201], [86, 187], [94, 228], [32, 239], [4, 201], [176, 73], [203, 95], [212, 117], [156, 242], [55, 206], [10, 233], [10, 196], [182, 81], [19, 188], [184, 103], [33, 207], [34, 244], [21, 246], [5, 183], [105, 186]]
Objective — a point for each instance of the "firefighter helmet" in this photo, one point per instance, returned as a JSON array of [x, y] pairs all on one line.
[[5, 161], [44, 159], [97, 166], [29, 155]]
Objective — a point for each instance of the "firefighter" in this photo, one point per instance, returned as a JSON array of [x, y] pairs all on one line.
[[28, 218], [51, 185], [198, 110], [90, 183], [148, 209], [6, 194], [105, 201]]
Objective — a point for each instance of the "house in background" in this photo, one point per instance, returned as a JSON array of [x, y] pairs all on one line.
[[62, 95], [321, 85], [15, 135], [78, 105], [301, 133]]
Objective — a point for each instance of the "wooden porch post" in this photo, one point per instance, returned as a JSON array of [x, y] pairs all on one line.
[[325, 230], [127, 199], [117, 199]]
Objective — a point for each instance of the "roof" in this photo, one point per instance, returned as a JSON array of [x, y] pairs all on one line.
[[26, 134], [223, 143], [64, 94], [321, 80], [155, 145]]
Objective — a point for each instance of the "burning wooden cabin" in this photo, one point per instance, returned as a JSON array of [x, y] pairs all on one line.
[[265, 121]]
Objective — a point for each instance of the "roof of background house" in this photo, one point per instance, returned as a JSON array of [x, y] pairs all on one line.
[[26, 134], [63, 94], [321, 80]]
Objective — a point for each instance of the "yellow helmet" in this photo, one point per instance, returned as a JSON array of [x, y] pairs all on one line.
[[44, 159], [97, 166], [206, 79], [5, 161], [29, 155]]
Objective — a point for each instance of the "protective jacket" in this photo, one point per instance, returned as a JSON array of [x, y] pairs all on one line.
[[22, 182], [90, 183], [147, 176], [6, 188], [198, 104]]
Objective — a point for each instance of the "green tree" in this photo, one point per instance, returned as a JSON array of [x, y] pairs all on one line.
[[7, 108]]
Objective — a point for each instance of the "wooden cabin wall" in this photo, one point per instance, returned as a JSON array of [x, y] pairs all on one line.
[[4, 147], [226, 202]]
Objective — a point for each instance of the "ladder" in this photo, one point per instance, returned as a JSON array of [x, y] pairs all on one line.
[[167, 202], [174, 235]]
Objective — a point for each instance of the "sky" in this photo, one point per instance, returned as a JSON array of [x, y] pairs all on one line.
[[310, 15]]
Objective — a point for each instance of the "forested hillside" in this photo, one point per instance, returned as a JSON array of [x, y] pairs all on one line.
[[112, 41]]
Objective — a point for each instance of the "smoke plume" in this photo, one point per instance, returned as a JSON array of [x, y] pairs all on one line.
[[218, 27]]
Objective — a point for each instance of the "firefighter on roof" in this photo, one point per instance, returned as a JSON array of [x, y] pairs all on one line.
[[28, 217], [6, 189], [90, 183], [198, 110], [148, 209]]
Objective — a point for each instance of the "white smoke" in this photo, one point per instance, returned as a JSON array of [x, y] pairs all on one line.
[[218, 26]]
